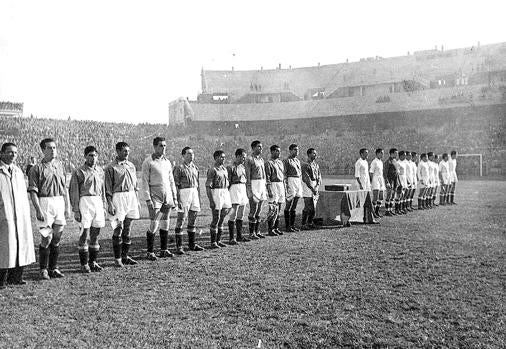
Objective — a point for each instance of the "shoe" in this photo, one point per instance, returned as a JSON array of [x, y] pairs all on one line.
[[261, 236], [221, 244], [232, 242], [244, 239], [347, 225], [165, 254], [128, 261], [55, 274], [150, 256], [272, 233], [196, 248], [44, 274], [277, 231], [295, 229], [95, 267], [118, 263], [253, 237], [214, 246], [85, 269], [304, 227], [389, 214], [179, 251]]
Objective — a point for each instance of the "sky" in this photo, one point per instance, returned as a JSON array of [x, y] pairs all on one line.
[[124, 61]]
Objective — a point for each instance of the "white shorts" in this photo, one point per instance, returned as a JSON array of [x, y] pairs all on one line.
[[259, 190], [378, 183], [278, 192], [238, 194], [453, 177], [92, 212], [306, 192], [189, 200], [126, 206], [294, 188], [53, 210], [159, 197], [221, 198], [403, 181]]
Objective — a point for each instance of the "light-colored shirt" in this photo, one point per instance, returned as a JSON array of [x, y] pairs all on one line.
[[423, 172], [444, 169], [120, 176], [362, 172], [376, 168], [86, 181], [47, 179], [157, 176]]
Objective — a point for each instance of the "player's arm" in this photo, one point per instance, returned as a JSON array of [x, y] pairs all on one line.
[[247, 166], [109, 188], [33, 189], [144, 192], [372, 169], [229, 175], [173, 186], [176, 174], [306, 177], [268, 173], [209, 185], [357, 174], [74, 195]]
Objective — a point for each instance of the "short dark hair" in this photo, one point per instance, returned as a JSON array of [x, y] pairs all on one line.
[[453, 152], [45, 141], [184, 150], [218, 153], [445, 155], [293, 146], [89, 149], [423, 155], [121, 145], [254, 144], [413, 153], [435, 156], [310, 150], [239, 152], [362, 151], [402, 153], [274, 147], [379, 150], [7, 145], [429, 154], [392, 150], [157, 140]]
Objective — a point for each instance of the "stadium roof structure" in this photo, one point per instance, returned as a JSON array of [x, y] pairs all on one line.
[[421, 66]]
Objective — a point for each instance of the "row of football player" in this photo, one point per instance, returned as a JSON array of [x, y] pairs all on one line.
[[397, 179], [92, 190]]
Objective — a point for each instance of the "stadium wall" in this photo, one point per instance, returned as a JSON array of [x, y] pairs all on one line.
[[449, 98]]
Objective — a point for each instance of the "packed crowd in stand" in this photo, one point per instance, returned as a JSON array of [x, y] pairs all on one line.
[[276, 184], [337, 145]]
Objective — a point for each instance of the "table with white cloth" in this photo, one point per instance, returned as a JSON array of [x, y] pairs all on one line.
[[342, 207]]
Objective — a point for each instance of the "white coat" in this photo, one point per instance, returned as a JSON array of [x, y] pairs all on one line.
[[15, 223]]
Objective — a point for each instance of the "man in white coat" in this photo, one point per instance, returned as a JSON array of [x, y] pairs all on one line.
[[16, 238]]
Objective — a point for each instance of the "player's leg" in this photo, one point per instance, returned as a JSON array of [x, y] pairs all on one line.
[[126, 242], [375, 196], [293, 213], [312, 211], [84, 255], [214, 228], [192, 230], [94, 248], [54, 252], [253, 206], [154, 216], [164, 227], [257, 220], [231, 224], [223, 214], [305, 214]]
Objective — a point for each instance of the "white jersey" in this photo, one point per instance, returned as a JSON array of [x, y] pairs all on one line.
[[403, 172], [362, 173], [414, 172], [444, 170], [436, 173], [452, 164], [423, 172], [376, 171], [432, 178]]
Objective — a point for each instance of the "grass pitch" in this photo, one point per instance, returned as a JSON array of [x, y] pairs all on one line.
[[432, 278]]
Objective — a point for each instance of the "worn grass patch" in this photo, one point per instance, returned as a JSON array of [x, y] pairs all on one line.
[[428, 279]]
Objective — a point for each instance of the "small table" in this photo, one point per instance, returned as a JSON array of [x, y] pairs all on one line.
[[344, 207]]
